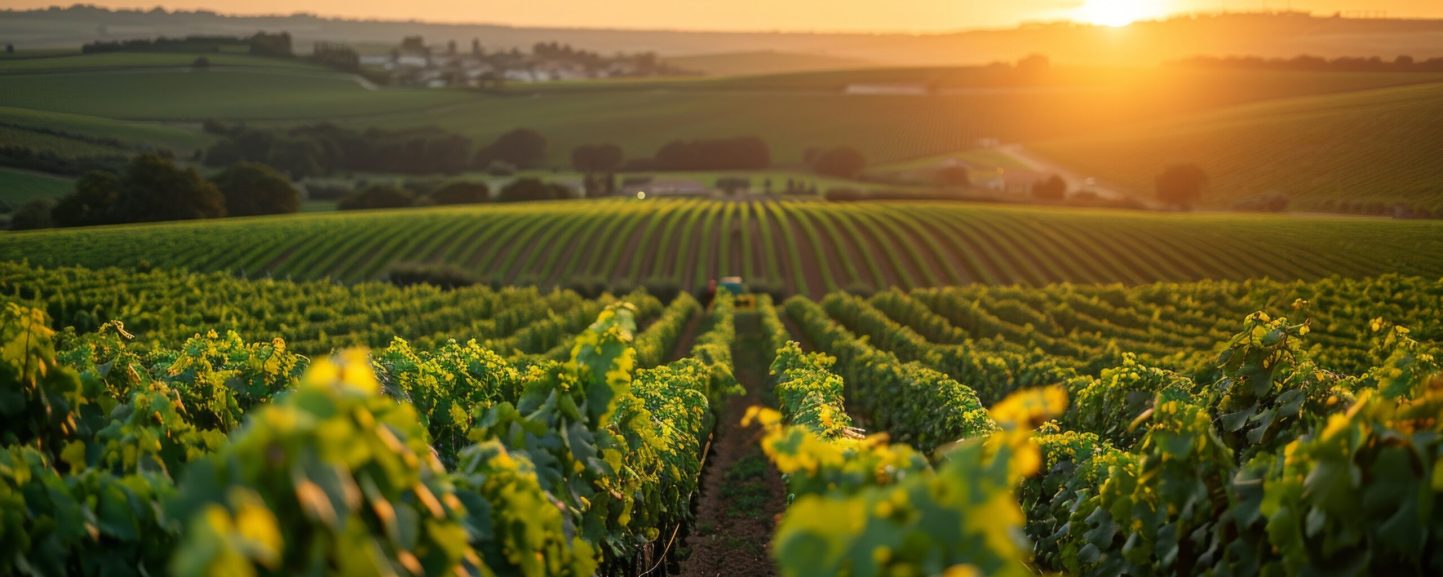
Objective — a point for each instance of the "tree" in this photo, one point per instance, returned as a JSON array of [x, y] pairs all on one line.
[[1181, 185], [744, 153], [278, 44], [461, 192], [953, 175], [200, 62], [1034, 64], [522, 147], [252, 189], [9, 48], [529, 189], [597, 163], [841, 162], [378, 196], [93, 202], [153, 189], [1054, 188], [734, 184], [33, 215], [597, 158], [413, 44]]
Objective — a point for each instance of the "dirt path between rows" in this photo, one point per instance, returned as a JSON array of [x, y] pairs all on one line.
[[742, 494]]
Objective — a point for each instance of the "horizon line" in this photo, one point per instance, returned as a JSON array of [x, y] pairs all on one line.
[[1021, 25]]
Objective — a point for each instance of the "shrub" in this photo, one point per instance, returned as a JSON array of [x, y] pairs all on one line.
[[379, 196], [253, 189]]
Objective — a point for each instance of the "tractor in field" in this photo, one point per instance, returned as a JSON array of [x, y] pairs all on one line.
[[734, 285]]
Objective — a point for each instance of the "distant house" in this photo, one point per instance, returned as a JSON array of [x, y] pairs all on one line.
[[520, 75]]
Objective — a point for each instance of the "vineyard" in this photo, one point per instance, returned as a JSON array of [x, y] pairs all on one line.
[[779, 247], [198, 423]]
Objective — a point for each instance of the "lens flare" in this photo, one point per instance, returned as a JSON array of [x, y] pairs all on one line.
[[1115, 13]]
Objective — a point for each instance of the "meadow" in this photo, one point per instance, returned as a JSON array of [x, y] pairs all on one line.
[[18, 186], [784, 247]]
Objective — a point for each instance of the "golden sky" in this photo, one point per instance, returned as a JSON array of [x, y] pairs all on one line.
[[859, 15]]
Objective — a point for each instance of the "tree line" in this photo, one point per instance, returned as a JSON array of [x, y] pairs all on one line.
[[258, 44], [323, 149], [152, 188], [1317, 63]]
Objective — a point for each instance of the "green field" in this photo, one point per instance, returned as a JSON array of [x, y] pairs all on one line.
[[19, 186], [182, 138], [1377, 146], [792, 112], [787, 247], [159, 87]]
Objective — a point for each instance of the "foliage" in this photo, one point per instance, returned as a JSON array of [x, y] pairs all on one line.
[[742, 153], [961, 519], [321, 149], [460, 192], [253, 189], [378, 196], [522, 148], [1181, 184], [33, 215], [334, 476], [1052, 188], [532, 189]]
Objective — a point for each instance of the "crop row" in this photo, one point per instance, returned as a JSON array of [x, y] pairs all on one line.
[[1272, 461], [780, 247], [212, 455]]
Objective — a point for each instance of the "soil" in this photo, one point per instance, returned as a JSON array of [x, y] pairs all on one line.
[[813, 257], [742, 495]]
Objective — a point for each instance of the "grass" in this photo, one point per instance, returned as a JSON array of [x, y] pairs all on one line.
[[155, 87], [863, 246], [792, 112], [18, 187], [745, 491], [120, 61], [75, 129], [61, 145], [1378, 146]]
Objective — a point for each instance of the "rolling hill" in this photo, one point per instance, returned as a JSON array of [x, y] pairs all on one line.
[[1360, 152], [789, 247]]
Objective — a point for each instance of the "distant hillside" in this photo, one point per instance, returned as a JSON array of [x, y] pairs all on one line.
[[1142, 43], [762, 62], [1363, 151]]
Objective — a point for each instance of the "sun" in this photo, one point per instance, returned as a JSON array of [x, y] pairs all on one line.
[[1115, 13]]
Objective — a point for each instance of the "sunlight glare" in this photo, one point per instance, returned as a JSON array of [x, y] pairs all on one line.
[[1114, 13]]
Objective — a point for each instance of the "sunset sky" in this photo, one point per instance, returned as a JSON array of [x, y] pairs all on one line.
[[860, 15]]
